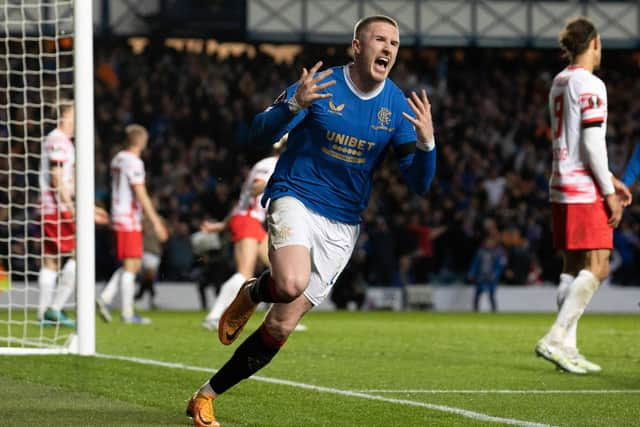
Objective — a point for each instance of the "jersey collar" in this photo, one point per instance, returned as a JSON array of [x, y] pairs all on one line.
[[357, 92]]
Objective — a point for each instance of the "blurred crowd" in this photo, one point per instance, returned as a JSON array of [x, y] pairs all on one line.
[[491, 119]]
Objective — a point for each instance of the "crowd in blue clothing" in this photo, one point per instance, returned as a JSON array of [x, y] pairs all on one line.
[[491, 120]]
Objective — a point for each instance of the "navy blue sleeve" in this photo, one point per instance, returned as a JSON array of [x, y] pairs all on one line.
[[270, 125], [633, 168], [418, 167]]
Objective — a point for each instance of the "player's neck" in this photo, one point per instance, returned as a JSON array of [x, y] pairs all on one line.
[[134, 150], [67, 130], [360, 79], [584, 61]]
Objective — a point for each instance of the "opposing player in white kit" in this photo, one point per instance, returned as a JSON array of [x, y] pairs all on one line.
[[57, 188], [582, 222], [247, 233], [129, 198]]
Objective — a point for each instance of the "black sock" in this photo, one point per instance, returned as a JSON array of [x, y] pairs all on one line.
[[263, 290], [252, 355]]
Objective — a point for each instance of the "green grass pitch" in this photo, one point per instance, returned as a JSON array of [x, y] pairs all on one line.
[[427, 368]]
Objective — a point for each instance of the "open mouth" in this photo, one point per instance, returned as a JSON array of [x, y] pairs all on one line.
[[382, 63]]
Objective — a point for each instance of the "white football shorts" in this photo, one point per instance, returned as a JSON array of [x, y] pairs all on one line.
[[150, 261], [330, 242]]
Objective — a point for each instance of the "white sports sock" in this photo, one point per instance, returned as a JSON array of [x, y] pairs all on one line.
[[228, 292], [47, 282], [66, 286], [206, 389], [570, 340], [563, 288], [110, 290], [127, 288], [579, 295]]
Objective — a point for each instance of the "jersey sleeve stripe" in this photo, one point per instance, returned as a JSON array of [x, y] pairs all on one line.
[[593, 120]]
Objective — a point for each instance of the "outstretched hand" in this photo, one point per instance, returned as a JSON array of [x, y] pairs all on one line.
[[422, 122], [308, 90]]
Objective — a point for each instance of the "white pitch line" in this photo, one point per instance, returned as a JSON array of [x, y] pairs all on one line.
[[425, 391], [442, 408]]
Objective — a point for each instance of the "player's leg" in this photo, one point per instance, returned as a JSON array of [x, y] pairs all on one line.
[[492, 296], [47, 282], [289, 240], [131, 267], [105, 298], [61, 241], [66, 284], [595, 270], [476, 296], [149, 270], [252, 355], [65, 288], [245, 253], [573, 262], [109, 292]]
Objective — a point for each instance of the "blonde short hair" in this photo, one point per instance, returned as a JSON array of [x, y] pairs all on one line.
[[134, 132], [362, 24], [65, 105]]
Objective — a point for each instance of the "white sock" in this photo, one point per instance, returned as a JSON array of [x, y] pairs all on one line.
[[47, 282], [110, 290], [570, 340], [563, 288], [579, 295], [206, 389], [66, 285], [228, 292], [127, 288]]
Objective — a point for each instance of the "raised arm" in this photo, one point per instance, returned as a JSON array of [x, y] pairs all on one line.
[[291, 107], [418, 159]]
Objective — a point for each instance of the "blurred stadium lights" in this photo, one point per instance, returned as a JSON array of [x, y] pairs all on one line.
[[281, 53]]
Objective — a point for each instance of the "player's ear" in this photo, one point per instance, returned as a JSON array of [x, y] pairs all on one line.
[[355, 44]]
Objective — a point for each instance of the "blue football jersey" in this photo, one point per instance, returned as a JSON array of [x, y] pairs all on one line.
[[335, 145]]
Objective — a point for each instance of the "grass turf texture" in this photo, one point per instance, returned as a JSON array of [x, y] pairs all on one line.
[[347, 351]]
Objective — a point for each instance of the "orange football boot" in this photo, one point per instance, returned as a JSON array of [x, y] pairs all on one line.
[[200, 409], [236, 315]]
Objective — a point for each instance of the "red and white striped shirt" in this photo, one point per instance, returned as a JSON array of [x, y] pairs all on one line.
[[56, 148], [248, 205], [577, 98], [127, 170]]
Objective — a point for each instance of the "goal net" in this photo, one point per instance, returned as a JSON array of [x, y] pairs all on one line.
[[37, 74]]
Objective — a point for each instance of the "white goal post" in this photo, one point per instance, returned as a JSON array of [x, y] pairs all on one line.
[[46, 55]]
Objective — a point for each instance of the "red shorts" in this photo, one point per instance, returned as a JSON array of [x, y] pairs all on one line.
[[581, 226], [59, 233], [246, 227], [128, 244]]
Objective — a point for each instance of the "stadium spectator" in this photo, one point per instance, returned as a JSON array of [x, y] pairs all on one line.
[[486, 268]]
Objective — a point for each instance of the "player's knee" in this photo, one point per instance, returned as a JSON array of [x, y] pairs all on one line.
[[290, 286]]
